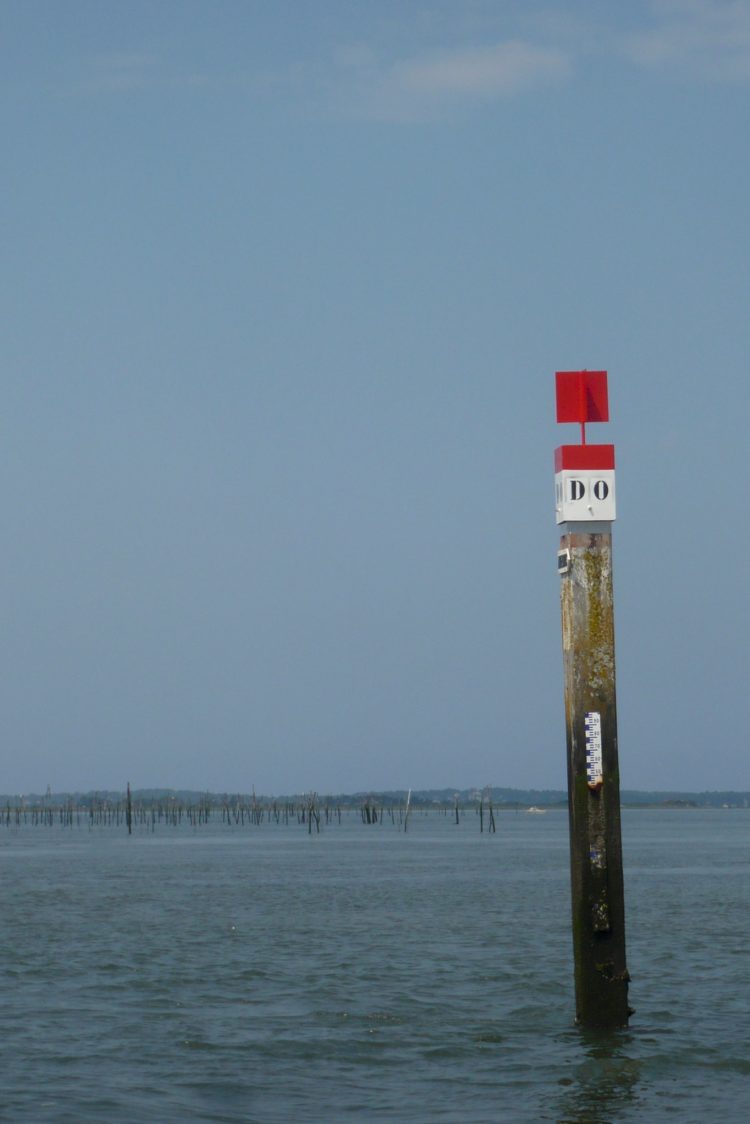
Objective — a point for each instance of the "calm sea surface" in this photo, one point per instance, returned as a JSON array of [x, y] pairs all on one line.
[[262, 974]]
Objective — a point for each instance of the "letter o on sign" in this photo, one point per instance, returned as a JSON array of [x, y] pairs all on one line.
[[601, 489]]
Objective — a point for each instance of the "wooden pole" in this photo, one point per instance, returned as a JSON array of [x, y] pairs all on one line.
[[601, 977], [586, 509]]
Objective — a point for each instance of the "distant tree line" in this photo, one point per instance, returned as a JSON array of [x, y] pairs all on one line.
[[444, 798]]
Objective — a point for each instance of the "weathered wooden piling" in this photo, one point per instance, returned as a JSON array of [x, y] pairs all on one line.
[[585, 504]]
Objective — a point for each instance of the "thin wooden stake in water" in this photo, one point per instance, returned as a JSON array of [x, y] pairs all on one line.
[[585, 500], [129, 812]]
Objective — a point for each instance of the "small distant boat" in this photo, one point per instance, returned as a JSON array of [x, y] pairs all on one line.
[[534, 811]]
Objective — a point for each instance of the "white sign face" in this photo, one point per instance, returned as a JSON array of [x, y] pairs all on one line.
[[584, 495]]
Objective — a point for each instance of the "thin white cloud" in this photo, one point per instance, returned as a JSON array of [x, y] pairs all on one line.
[[408, 75], [488, 72], [430, 84], [709, 38]]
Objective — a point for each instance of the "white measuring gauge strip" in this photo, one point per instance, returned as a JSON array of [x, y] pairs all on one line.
[[594, 772]]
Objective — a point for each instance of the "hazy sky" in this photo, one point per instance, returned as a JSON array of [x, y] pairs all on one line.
[[284, 287]]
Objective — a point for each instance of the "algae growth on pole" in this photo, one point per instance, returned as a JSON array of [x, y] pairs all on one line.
[[585, 510]]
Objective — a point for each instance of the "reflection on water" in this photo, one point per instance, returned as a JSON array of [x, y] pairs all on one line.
[[604, 1084]]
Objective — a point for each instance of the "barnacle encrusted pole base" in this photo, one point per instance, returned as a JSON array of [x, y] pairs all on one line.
[[601, 976]]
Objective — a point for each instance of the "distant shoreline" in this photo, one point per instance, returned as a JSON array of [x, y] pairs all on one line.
[[502, 799]]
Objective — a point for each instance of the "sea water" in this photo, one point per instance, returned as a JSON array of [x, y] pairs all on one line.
[[260, 973]]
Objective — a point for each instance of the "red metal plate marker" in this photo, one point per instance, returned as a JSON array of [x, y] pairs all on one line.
[[582, 397]]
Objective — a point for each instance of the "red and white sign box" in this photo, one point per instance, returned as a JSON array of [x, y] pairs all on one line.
[[584, 474], [584, 483]]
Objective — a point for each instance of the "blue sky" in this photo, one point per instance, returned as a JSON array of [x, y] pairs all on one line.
[[284, 289]]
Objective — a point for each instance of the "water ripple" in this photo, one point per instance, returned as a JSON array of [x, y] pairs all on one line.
[[365, 974]]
